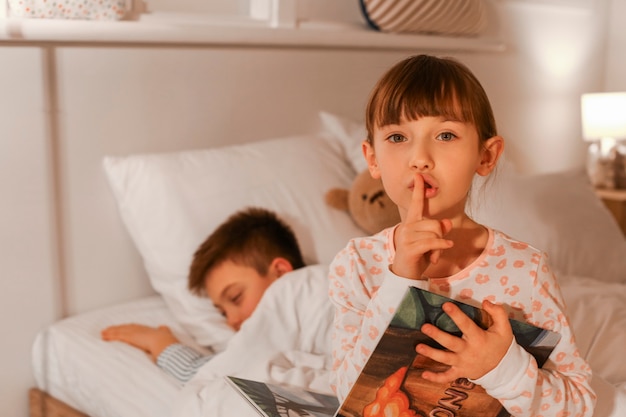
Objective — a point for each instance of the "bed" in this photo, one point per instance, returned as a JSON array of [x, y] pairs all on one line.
[[169, 201]]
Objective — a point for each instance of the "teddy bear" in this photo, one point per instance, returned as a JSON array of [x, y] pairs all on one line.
[[367, 203]]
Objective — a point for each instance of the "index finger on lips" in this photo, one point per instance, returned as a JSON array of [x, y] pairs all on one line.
[[416, 208]]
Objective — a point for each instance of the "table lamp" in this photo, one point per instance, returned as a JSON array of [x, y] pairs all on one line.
[[604, 125]]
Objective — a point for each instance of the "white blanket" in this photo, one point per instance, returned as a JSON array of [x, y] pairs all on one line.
[[287, 340]]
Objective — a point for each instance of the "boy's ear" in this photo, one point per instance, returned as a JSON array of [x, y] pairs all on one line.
[[370, 158], [490, 154], [279, 267]]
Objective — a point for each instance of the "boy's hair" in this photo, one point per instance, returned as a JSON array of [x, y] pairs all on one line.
[[425, 85], [252, 237]]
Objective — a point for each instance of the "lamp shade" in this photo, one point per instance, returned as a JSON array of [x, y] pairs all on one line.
[[603, 116]]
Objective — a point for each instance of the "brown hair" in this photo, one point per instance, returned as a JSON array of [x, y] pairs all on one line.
[[425, 85], [251, 237]]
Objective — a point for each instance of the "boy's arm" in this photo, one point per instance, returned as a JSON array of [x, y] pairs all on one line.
[[152, 340], [181, 362], [174, 358]]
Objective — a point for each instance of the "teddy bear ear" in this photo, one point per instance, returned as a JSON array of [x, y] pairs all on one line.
[[337, 198]]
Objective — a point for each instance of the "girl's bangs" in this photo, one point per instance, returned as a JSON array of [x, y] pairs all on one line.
[[428, 87], [415, 102]]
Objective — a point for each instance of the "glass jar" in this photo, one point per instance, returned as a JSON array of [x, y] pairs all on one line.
[[620, 165], [601, 166]]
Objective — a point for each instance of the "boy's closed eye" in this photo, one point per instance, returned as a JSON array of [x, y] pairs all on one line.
[[232, 294], [236, 298]]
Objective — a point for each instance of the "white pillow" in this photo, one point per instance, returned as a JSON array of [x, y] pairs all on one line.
[[350, 134], [558, 213], [171, 202]]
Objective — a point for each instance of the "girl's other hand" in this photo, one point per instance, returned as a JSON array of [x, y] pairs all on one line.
[[476, 352], [419, 241]]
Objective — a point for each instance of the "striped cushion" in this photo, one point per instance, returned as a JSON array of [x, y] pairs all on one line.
[[444, 17]]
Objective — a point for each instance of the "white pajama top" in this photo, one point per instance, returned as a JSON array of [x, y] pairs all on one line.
[[365, 293]]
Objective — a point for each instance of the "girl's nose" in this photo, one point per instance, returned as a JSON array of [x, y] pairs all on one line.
[[421, 158]]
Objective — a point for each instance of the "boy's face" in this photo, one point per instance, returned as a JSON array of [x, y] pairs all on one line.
[[236, 290]]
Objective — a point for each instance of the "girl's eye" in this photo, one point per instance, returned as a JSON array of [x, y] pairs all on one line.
[[396, 138], [446, 136]]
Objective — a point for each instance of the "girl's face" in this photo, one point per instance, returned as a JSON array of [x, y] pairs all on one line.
[[446, 153]]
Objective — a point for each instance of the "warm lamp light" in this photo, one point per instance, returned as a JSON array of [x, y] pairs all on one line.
[[604, 124], [604, 115]]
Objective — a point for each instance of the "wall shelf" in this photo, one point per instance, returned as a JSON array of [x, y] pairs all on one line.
[[192, 30]]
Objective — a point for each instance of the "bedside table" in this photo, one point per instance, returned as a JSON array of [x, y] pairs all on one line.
[[615, 200]]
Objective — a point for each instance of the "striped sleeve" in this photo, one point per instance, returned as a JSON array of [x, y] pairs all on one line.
[[181, 362]]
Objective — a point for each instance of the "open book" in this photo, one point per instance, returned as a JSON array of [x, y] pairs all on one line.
[[390, 383], [279, 401]]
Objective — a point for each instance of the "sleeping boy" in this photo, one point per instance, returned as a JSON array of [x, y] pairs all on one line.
[[233, 267]]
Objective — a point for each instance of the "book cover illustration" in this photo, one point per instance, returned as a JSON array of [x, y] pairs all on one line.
[[391, 385], [277, 401]]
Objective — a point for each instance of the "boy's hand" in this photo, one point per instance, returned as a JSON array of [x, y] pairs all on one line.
[[152, 340], [475, 353], [419, 241]]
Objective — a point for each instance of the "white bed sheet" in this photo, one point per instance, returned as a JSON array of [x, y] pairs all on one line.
[[106, 379]]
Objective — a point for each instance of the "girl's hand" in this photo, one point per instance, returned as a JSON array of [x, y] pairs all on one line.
[[419, 241], [474, 354]]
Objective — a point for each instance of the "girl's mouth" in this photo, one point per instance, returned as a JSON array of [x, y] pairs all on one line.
[[430, 186], [429, 190]]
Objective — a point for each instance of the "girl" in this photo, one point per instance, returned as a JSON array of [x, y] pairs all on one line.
[[430, 130]]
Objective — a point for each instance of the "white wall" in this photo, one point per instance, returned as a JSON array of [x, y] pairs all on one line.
[[616, 48], [28, 300], [554, 54]]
